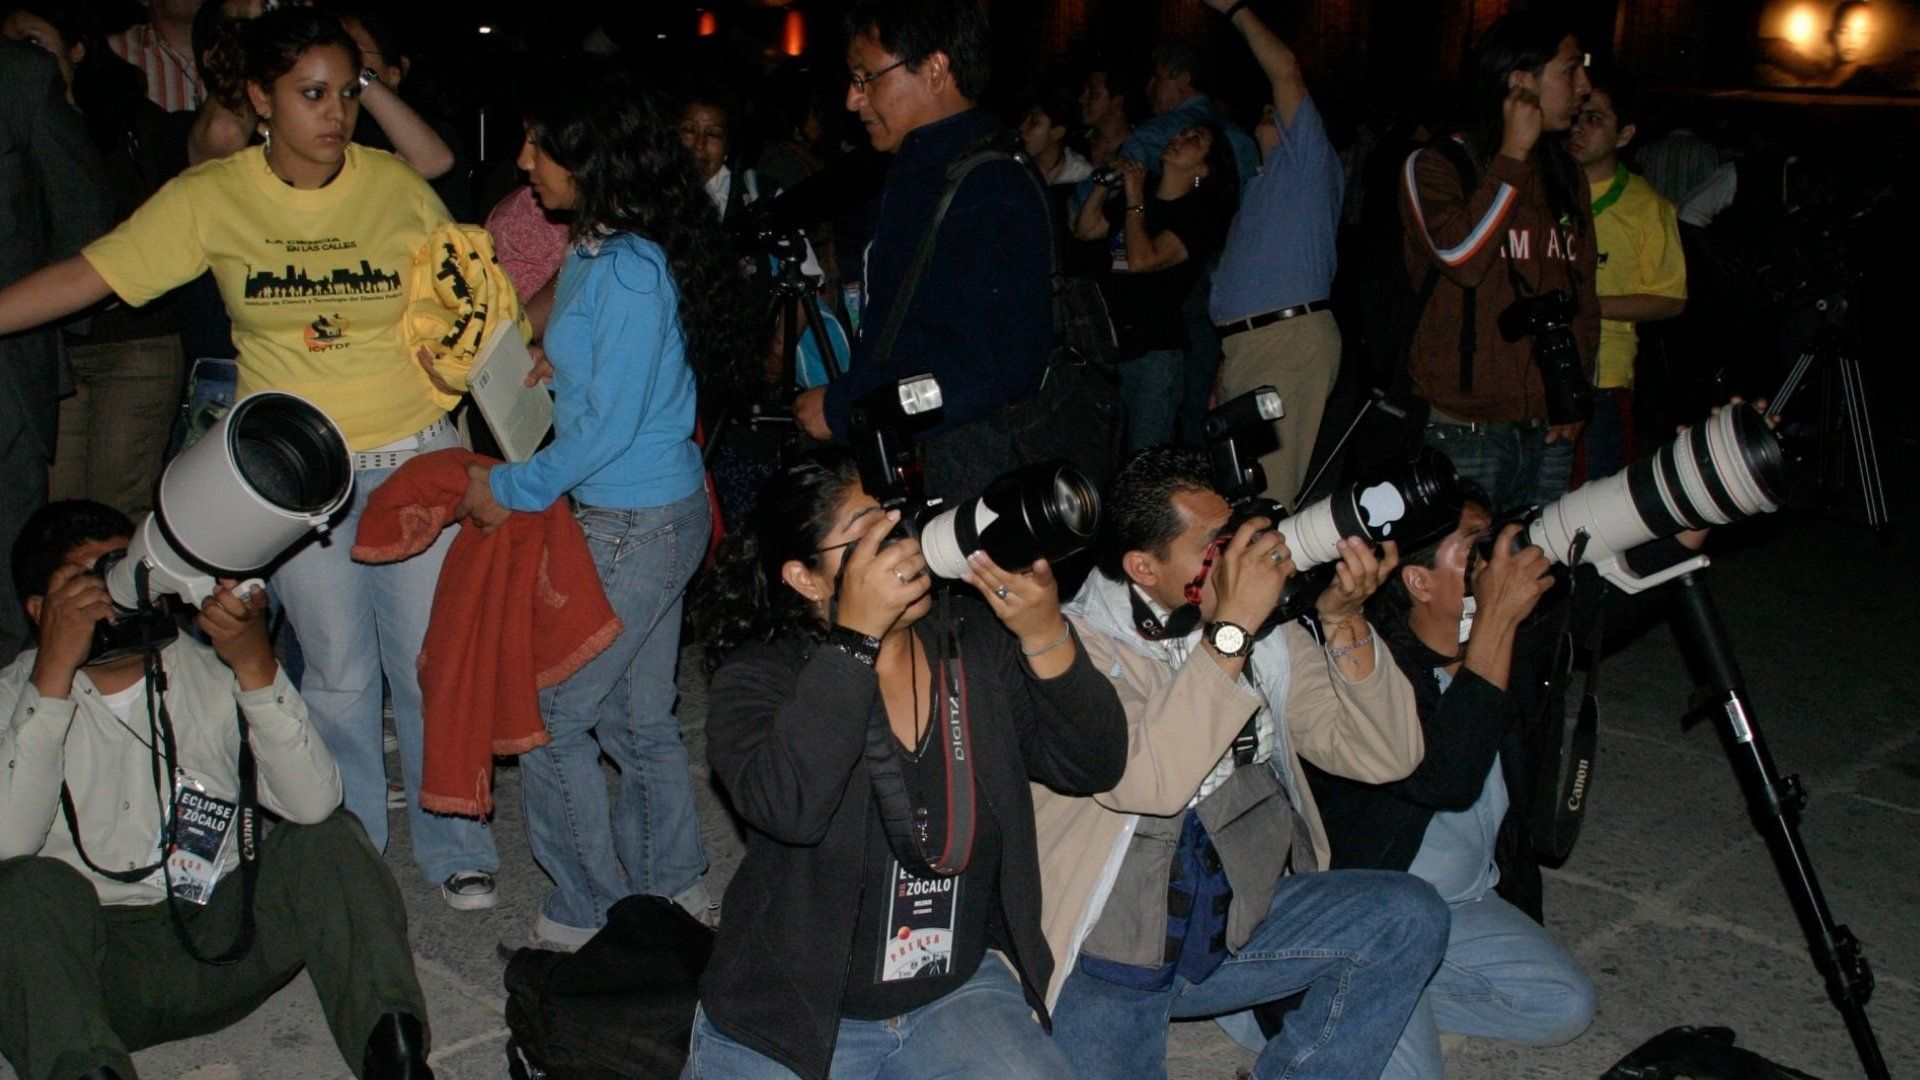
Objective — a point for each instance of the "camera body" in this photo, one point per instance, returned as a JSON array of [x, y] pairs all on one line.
[[1412, 502], [132, 630], [1046, 510], [1547, 318], [1107, 176]]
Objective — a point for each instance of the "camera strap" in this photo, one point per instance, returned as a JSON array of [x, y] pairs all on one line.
[[988, 148], [164, 748], [1569, 748], [905, 825]]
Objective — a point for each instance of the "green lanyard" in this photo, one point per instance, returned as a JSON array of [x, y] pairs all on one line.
[[1613, 193]]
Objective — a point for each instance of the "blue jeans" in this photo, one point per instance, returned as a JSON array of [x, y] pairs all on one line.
[[1150, 384], [1504, 978], [1514, 468], [356, 622], [1361, 943], [984, 1029], [621, 705]]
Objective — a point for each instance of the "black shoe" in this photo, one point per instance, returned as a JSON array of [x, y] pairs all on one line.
[[397, 1050]]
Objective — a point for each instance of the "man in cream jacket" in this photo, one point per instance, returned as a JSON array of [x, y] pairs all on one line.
[[1196, 886]]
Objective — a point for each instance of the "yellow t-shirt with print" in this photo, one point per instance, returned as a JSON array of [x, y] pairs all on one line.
[[1638, 243], [315, 281]]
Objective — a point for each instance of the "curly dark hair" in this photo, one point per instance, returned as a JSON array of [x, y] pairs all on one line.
[[620, 139], [744, 599]]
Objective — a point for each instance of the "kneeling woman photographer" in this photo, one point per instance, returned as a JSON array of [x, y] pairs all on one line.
[[888, 909]]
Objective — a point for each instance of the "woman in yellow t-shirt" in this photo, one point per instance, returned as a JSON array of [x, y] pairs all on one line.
[[311, 239]]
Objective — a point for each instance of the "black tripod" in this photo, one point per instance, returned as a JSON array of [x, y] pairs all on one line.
[[1826, 351], [1775, 803], [793, 294]]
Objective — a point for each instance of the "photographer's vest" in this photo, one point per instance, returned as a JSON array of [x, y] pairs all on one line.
[[1251, 818], [1256, 833]]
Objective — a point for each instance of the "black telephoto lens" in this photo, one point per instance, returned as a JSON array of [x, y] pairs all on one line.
[[1043, 511]]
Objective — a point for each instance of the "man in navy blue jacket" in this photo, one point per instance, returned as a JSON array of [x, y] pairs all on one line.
[[980, 318]]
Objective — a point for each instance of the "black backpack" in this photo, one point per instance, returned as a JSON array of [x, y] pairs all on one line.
[[619, 1009]]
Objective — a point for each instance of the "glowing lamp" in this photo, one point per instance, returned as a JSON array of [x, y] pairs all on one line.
[[793, 37]]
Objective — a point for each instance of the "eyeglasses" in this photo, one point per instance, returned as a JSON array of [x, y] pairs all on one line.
[[860, 82]]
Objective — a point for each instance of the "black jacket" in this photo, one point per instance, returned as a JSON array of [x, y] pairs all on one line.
[[981, 318], [786, 731], [1381, 827]]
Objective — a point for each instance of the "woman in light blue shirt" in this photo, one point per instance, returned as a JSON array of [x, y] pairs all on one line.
[[640, 306]]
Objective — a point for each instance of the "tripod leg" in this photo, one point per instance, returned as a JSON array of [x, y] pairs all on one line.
[[1775, 805], [817, 330], [1866, 456], [1778, 403]]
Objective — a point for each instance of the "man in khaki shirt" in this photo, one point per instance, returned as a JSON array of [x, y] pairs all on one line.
[[1193, 888], [98, 779]]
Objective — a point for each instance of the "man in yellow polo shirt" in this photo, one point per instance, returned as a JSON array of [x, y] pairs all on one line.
[[1642, 272]]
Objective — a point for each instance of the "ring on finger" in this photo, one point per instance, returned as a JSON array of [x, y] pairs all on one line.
[[1277, 554], [1002, 591], [901, 576]]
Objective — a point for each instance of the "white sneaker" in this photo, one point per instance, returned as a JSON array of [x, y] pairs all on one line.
[[469, 890], [396, 797]]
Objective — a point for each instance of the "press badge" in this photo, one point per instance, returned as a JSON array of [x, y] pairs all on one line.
[[202, 833], [921, 917]]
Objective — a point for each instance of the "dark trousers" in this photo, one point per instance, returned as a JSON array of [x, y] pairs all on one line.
[[83, 984]]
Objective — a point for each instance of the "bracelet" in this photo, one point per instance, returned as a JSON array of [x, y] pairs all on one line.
[[1341, 652], [855, 644], [1235, 9], [1044, 649], [1139, 208]]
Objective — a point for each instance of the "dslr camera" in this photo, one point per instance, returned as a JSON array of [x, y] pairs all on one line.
[[1411, 503], [1047, 510], [1547, 318]]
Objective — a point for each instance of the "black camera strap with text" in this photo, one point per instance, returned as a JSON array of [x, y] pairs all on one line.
[[1566, 774]]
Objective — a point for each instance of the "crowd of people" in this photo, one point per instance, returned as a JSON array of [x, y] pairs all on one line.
[[1006, 827]]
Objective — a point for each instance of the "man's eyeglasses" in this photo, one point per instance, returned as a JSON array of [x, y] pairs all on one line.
[[860, 82]]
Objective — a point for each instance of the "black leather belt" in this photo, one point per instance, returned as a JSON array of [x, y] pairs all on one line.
[[1241, 326]]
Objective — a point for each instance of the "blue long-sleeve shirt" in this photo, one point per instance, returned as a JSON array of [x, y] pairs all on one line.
[[623, 409], [981, 319]]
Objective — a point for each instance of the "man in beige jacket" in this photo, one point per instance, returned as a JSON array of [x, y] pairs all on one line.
[[1193, 888]]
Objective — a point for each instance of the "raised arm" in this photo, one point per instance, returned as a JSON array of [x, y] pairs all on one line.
[[414, 140], [1282, 68]]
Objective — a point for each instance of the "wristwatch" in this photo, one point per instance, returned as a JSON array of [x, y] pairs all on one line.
[[1229, 639], [368, 77]]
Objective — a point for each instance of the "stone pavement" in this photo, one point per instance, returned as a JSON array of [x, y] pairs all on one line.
[[1670, 899]]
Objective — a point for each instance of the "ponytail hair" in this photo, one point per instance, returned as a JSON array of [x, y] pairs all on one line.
[[744, 599]]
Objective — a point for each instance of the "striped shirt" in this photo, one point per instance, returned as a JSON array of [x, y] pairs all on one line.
[[173, 79]]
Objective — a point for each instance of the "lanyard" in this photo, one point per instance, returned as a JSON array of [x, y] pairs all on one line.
[[1613, 192]]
